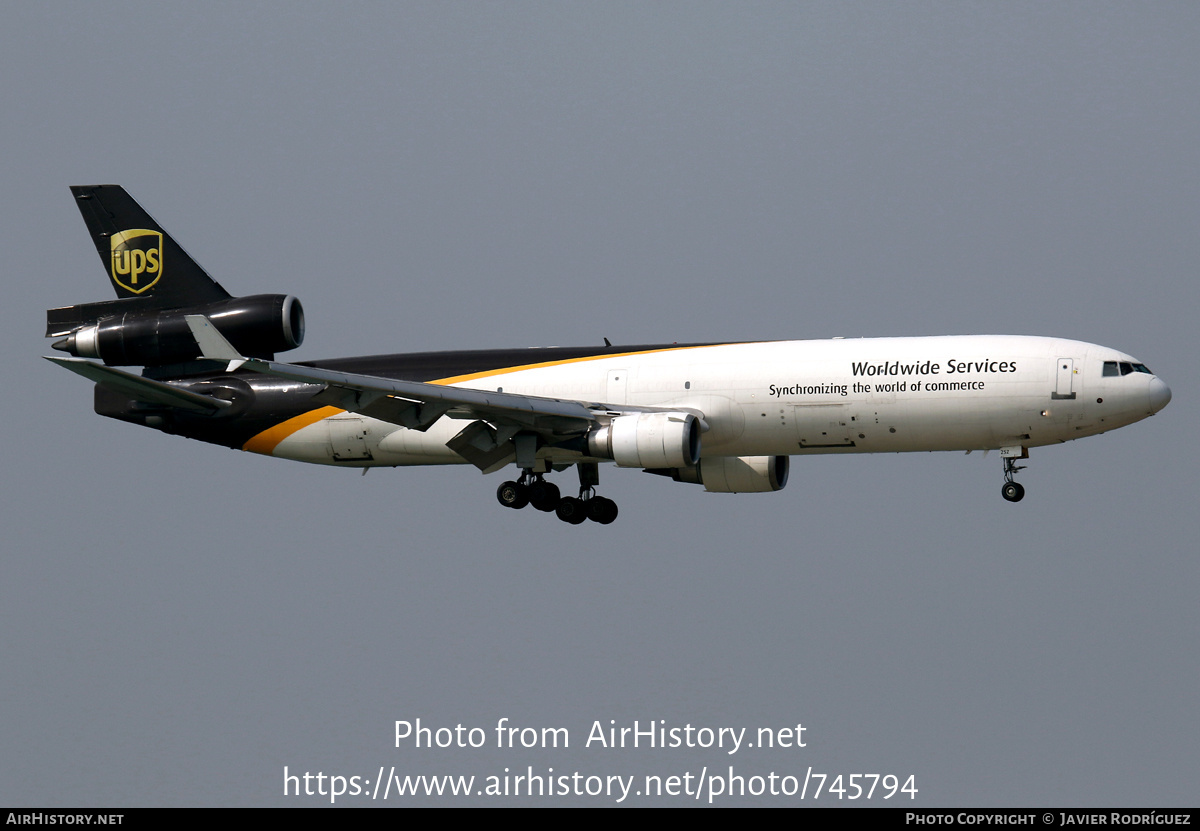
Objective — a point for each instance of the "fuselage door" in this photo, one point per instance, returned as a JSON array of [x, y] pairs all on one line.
[[823, 425], [1064, 379], [348, 437]]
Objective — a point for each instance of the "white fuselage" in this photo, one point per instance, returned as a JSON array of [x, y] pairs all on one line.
[[790, 398]]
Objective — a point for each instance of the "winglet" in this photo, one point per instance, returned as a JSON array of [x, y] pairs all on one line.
[[212, 343]]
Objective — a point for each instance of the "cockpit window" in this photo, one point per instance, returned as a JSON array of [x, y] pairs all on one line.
[[1115, 368]]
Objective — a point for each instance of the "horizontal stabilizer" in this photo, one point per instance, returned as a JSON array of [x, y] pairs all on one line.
[[142, 389]]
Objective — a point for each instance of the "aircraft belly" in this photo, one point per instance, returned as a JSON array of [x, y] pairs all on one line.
[[308, 444], [413, 447], [355, 441]]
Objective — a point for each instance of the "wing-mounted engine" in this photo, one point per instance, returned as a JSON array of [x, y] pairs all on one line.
[[126, 333], [734, 474], [648, 440]]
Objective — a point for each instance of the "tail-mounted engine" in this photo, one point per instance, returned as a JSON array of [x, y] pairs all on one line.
[[258, 326]]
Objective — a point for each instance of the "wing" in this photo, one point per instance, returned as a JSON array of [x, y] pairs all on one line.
[[502, 423]]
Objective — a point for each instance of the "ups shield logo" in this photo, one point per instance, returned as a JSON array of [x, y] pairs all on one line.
[[137, 259]]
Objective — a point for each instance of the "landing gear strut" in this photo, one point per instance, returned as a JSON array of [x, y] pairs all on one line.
[[1012, 490], [532, 489]]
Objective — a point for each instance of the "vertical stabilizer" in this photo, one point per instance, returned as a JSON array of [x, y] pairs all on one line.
[[142, 260]]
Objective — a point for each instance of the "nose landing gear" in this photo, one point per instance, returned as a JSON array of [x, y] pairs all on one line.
[[1012, 490], [532, 489]]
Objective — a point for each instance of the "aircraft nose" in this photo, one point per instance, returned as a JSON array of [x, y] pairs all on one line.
[[1160, 395]]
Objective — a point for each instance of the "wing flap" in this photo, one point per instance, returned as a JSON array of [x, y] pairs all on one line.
[[415, 415], [484, 446]]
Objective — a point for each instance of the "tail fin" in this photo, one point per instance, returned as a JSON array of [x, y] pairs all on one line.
[[141, 259]]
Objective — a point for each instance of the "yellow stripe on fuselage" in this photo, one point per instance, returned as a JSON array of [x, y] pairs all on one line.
[[474, 376], [266, 441]]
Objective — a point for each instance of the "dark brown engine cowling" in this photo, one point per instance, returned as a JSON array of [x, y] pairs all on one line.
[[258, 326]]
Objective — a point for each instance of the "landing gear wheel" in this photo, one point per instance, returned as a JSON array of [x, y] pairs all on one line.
[[602, 510], [512, 495], [1012, 491], [544, 495], [571, 510]]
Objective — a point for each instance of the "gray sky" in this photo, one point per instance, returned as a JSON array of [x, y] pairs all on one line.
[[179, 622]]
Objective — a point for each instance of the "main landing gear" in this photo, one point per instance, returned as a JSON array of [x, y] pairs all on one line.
[[533, 489], [530, 489], [1012, 490]]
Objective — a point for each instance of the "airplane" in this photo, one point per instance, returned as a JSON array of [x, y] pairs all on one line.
[[727, 416]]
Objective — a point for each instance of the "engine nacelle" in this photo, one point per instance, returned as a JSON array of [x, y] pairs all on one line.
[[735, 474], [258, 326], [652, 440]]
